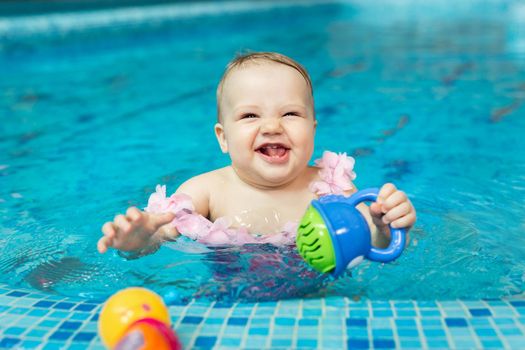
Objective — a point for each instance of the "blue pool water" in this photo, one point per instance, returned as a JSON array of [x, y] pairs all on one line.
[[98, 108]]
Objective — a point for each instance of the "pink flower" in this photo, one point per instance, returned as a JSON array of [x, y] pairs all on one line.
[[159, 204], [336, 173]]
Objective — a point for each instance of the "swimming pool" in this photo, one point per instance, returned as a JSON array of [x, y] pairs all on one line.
[[99, 107]]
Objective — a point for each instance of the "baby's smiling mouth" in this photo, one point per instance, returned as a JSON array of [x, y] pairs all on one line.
[[276, 150]]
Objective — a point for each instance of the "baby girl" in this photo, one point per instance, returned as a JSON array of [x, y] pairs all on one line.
[[266, 123]]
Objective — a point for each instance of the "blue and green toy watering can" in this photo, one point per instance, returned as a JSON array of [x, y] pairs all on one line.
[[334, 235]]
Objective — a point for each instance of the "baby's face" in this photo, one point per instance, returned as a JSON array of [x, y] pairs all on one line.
[[268, 123]]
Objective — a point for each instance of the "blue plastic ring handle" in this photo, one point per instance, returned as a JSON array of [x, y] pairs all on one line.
[[397, 243]]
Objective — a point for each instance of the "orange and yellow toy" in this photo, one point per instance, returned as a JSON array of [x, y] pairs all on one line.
[[136, 318]]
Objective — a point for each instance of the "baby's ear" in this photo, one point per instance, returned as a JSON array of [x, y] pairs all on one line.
[[221, 137]]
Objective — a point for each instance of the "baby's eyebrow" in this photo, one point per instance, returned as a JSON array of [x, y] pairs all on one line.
[[244, 108]]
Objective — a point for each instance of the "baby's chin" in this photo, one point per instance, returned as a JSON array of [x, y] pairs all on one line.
[[266, 178], [275, 178]]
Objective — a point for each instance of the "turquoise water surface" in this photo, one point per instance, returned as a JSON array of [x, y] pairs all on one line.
[[95, 113]]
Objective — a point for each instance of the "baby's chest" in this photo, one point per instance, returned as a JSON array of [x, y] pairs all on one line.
[[261, 213]]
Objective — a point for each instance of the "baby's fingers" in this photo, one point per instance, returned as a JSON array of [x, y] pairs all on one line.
[[384, 193], [123, 225], [396, 198], [163, 219], [134, 215], [406, 221], [103, 244], [108, 229], [375, 210], [397, 212]]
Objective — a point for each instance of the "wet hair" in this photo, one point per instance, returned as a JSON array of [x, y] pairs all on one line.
[[243, 60]]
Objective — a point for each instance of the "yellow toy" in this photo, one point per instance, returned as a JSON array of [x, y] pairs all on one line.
[[134, 309]]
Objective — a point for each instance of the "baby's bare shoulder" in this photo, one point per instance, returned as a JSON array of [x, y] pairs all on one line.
[[204, 181], [201, 187]]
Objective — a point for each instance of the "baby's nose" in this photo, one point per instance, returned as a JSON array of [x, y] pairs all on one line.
[[271, 125]]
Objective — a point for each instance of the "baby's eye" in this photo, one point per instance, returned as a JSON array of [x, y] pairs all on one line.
[[295, 114], [248, 115]]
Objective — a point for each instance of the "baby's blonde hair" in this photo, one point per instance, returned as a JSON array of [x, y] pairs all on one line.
[[253, 57]]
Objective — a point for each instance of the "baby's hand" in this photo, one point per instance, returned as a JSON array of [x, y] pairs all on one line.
[[392, 207], [132, 231]]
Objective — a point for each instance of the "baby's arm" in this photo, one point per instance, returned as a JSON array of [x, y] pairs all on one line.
[[142, 232]]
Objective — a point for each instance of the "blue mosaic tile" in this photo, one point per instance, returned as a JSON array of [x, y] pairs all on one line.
[[239, 321], [438, 344], [258, 331], [17, 294], [408, 332], [14, 331], [214, 321], [44, 303], [312, 312], [358, 343], [410, 344], [456, 322], [520, 303], [37, 333], [383, 313], [85, 307], [308, 322], [71, 326], [9, 342], [404, 305], [491, 343], [384, 343], [480, 312], [260, 321], [79, 316], [30, 344], [406, 313], [285, 343], [408, 322], [37, 312], [332, 344], [233, 342], [84, 336], [357, 332], [48, 323], [480, 322], [256, 342], [60, 335], [486, 332], [382, 333], [192, 319], [234, 330], [282, 331], [511, 331], [430, 313], [63, 306], [284, 321], [307, 343], [356, 322], [18, 310], [360, 313], [53, 346]]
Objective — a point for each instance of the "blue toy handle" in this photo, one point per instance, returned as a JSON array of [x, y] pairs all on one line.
[[397, 243]]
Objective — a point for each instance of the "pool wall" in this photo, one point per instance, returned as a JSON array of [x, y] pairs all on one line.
[[33, 320]]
